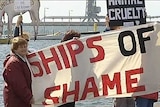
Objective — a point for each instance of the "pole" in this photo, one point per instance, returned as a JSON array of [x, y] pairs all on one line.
[[45, 19], [21, 27], [69, 19], [95, 27]]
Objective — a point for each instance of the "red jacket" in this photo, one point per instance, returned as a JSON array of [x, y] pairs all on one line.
[[17, 76], [153, 96]]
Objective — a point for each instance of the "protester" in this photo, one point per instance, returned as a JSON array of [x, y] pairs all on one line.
[[141, 101], [18, 26], [108, 27], [107, 24], [146, 100], [17, 91], [23, 34], [125, 101], [68, 36]]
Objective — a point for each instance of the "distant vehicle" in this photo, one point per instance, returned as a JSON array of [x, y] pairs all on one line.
[[4, 39]]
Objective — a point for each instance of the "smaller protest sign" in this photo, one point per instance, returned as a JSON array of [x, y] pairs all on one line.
[[127, 12], [22, 5]]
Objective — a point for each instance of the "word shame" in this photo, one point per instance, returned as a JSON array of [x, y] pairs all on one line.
[[107, 85]]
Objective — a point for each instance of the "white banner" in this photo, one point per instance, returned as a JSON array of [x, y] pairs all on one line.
[[118, 63], [21, 5]]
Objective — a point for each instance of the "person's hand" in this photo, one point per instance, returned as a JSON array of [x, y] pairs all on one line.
[[75, 38], [107, 21], [19, 21], [32, 101]]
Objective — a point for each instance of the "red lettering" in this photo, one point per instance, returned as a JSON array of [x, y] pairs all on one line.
[[99, 48], [107, 82], [74, 52], [55, 58], [130, 81], [37, 65], [93, 89], [74, 92], [47, 94]]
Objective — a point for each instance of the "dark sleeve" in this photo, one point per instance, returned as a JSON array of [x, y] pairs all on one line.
[[16, 31], [16, 79], [106, 29]]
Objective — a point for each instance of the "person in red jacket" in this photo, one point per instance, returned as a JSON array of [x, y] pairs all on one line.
[[18, 27], [17, 91]]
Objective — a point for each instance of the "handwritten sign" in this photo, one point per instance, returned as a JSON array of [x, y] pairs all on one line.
[[118, 63], [22, 5]]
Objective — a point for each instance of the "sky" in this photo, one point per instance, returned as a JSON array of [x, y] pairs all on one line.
[[77, 8]]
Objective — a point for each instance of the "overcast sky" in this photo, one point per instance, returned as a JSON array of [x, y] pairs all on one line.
[[62, 8]]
